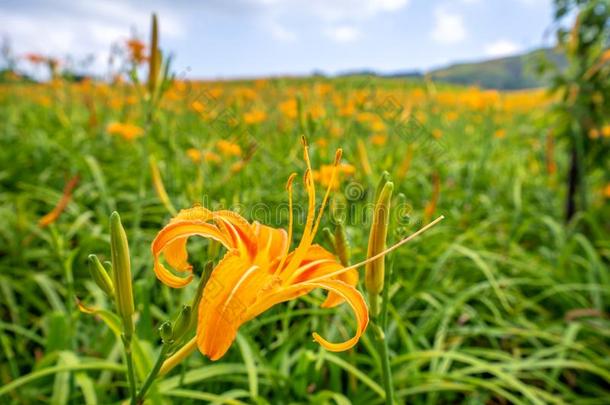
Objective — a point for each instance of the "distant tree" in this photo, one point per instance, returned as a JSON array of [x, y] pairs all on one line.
[[583, 90]]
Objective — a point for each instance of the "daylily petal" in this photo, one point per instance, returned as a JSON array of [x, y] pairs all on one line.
[[350, 278], [172, 236], [356, 301], [176, 255], [237, 230], [319, 262], [234, 286], [339, 288], [193, 213], [271, 243]]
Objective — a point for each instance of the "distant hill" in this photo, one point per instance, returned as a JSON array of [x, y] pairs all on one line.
[[507, 73], [512, 72]]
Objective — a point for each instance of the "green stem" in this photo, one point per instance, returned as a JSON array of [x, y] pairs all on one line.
[[379, 327], [131, 374], [153, 373], [386, 372]]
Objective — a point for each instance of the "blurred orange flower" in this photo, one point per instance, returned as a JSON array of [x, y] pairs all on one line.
[[126, 131], [228, 148]]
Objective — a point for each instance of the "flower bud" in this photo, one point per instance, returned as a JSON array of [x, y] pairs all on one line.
[[375, 270], [341, 244], [385, 177], [183, 322], [121, 273], [165, 331], [330, 238], [100, 276], [205, 277], [154, 61]]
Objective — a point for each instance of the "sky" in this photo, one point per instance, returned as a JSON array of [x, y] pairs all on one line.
[[215, 39]]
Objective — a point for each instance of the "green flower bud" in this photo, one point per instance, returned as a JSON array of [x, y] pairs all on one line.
[[385, 177], [121, 273], [375, 270], [183, 322], [165, 331], [100, 275], [205, 277], [154, 61], [341, 244], [330, 238]]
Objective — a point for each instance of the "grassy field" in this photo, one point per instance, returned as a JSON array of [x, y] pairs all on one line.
[[501, 302]]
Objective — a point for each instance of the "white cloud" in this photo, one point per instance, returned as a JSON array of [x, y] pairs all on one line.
[[448, 27], [81, 28], [330, 10], [502, 47], [343, 33], [280, 32]]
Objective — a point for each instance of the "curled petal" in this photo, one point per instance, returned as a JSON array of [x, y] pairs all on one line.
[[171, 242], [176, 255], [356, 301], [197, 213], [350, 278]]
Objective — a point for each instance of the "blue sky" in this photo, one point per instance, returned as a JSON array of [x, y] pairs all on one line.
[[247, 38]]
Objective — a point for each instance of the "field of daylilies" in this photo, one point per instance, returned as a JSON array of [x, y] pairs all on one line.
[[499, 302]]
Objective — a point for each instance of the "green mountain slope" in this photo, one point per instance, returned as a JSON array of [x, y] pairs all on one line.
[[513, 72]]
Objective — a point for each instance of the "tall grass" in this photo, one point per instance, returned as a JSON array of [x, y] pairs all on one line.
[[501, 303]]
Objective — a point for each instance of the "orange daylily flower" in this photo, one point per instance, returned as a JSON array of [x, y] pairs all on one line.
[[328, 177], [228, 148], [126, 131], [258, 271], [136, 50]]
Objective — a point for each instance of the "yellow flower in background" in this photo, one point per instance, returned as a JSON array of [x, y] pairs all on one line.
[[255, 116], [336, 131], [136, 50], [326, 174], [198, 107], [379, 139], [366, 117], [347, 110], [195, 155], [316, 111], [322, 143], [289, 108], [500, 133], [421, 117], [377, 125], [228, 148], [437, 133], [126, 131], [237, 166], [451, 116], [606, 131], [593, 133], [607, 191]]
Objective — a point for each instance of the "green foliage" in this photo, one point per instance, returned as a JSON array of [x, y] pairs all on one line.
[[584, 88], [502, 302]]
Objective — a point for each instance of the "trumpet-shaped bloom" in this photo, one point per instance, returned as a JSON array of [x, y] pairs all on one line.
[[258, 271]]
